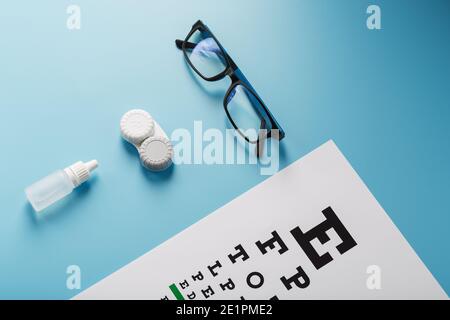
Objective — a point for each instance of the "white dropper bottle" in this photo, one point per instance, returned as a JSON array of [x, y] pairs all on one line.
[[59, 184]]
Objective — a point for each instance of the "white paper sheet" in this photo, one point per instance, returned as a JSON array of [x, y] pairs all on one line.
[[366, 256]]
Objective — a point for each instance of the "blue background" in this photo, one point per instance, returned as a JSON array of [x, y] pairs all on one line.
[[383, 96]]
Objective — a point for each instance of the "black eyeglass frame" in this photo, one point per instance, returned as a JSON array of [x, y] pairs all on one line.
[[237, 78]]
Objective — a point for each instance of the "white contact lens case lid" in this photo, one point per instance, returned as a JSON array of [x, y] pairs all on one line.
[[136, 126], [156, 153], [155, 149]]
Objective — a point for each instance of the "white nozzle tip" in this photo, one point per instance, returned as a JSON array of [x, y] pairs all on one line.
[[91, 165]]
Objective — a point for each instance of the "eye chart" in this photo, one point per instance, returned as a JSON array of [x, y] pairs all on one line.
[[312, 231]]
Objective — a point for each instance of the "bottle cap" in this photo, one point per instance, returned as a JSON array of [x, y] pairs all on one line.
[[136, 125], [156, 153], [80, 171]]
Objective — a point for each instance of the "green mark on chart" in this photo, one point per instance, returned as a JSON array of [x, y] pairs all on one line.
[[176, 292]]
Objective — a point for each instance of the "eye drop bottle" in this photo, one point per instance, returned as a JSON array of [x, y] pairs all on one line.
[[59, 184]]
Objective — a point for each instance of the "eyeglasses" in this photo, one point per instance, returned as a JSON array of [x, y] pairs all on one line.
[[245, 109]]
